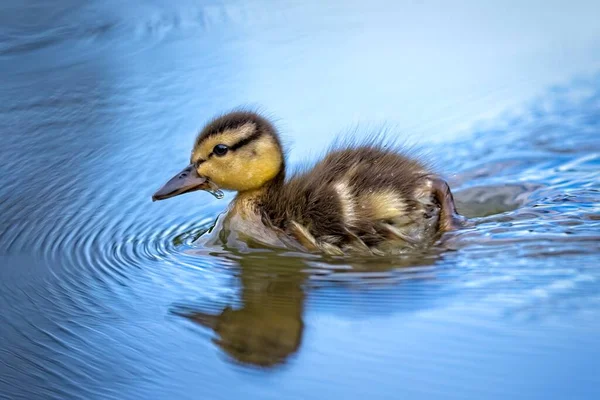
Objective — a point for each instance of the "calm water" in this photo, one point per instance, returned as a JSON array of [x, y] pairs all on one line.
[[103, 294]]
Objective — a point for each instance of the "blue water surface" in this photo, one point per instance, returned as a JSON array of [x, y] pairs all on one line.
[[104, 294]]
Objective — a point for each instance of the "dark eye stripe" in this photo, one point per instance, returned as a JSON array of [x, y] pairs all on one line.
[[245, 141], [235, 146]]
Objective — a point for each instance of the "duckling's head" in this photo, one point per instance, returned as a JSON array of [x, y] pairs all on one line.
[[238, 151]]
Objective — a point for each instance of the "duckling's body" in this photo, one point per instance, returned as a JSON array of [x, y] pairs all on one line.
[[363, 199]]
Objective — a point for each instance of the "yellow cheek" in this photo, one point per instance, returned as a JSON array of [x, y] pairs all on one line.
[[257, 174], [240, 174], [226, 172], [213, 171], [247, 174]]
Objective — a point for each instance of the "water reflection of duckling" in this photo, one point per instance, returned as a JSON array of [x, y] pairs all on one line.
[[267, 328], [360, 199]]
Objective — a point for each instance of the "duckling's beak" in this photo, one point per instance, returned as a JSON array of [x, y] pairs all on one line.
[[185, 181]]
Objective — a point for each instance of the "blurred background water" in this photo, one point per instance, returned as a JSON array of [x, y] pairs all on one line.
[[103, 294]]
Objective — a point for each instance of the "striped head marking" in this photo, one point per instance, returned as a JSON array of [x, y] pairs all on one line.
[[238, 151]]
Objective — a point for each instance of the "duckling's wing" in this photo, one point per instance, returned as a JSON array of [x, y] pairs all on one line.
[[360, 198]]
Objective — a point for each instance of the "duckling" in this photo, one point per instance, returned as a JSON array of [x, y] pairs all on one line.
[[364, 199]]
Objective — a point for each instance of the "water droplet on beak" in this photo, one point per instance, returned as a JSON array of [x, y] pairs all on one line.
[[218, 193]]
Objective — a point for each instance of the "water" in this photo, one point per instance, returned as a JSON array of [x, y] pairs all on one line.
[[103, 294]]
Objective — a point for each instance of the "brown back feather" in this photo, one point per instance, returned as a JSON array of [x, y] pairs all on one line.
[[310, 198]]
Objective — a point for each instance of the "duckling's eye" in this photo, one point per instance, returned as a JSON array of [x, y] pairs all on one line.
[[220, 150]]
